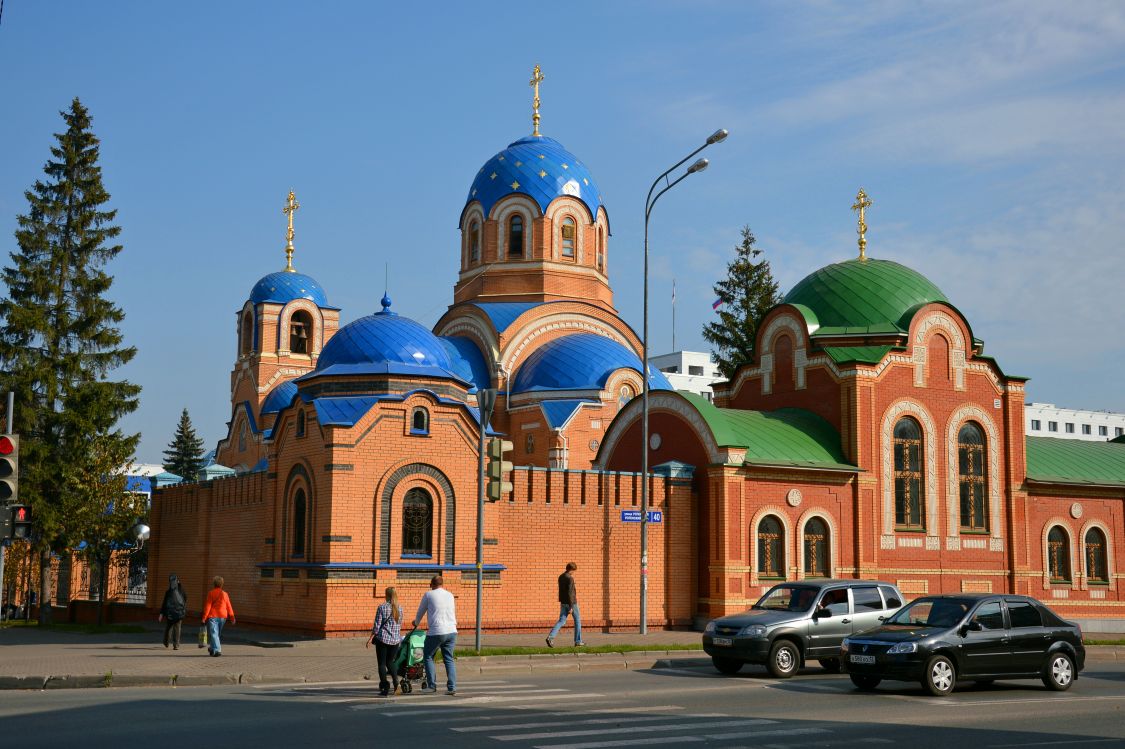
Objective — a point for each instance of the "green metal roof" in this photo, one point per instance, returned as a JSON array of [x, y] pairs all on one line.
[[785, 437], [864, 295], [1061, 461], [857, 354]]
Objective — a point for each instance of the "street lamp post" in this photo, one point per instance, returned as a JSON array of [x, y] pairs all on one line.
[[716, 137], [486, 399]]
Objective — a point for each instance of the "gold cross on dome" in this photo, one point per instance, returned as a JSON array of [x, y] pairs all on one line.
[[291, 206], [862, 203], [536, 79]]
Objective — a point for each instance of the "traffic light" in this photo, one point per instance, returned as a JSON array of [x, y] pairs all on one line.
[[9, 468], [498, 469], [21, 521]]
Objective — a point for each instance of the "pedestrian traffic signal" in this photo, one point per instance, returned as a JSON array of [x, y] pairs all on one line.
[[9, 468], [498, 469], [21, 521]]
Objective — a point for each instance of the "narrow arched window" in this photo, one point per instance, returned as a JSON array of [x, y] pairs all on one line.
[[417, 523], [246, 345], [771, 548], [569, 236], [474, 242], [1097, 563], [817, 547], [1058, 555], [300, 329], [243, 433], [420, 421], [973, 479], [601, 250], [301, 424], [515, 236], [910, 497], [529, 444], [300, 510]]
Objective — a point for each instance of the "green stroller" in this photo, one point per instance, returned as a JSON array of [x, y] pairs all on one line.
[[408, 662]]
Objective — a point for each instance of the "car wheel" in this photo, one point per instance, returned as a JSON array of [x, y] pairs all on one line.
[[1058, 674], [864, 682], [831, 665], [728, 666], [785, 659], [940, 676]]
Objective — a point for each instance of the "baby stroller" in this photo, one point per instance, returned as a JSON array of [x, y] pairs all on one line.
[[408, 662]]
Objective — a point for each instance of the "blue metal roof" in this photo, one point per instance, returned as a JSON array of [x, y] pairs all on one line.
[[344, 411], [468, 361], [579, 362], [137, 484], [536, 166], [280, 397], [558, 413], [503, 314], [283, 287]]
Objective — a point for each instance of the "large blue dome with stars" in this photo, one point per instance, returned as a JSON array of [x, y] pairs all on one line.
[[539, 167], [285, 286]]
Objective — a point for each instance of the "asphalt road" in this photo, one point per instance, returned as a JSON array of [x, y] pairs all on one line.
[[592, 710]]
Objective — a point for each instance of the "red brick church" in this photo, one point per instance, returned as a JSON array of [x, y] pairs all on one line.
[[871, 438]]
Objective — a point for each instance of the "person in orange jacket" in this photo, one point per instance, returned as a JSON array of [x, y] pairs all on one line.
[[216, 611]]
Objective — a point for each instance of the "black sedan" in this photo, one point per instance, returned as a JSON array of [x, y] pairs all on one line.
[[938, 640]]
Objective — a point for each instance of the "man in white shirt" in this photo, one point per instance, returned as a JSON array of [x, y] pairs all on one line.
[[438, 607]]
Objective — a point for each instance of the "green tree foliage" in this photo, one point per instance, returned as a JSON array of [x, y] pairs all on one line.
[[59, 340], [748, 293], [184, 456]]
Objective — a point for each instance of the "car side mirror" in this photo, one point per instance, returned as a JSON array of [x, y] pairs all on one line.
[[825, 613], [970, 627]]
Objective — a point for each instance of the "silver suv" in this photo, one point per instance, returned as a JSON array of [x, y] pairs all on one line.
[[799, 621]]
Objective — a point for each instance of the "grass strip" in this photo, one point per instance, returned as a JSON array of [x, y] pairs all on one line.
[[1105, 642]]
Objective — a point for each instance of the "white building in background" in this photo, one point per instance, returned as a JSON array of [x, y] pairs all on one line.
[[693, 371], [1048, 420]]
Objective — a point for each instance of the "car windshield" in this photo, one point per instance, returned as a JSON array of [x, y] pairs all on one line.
[[931, 612], [788, 598]]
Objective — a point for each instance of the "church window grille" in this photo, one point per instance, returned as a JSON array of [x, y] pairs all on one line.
[[1058, 555], [420, 421], [474, 242], [301, 424], [1097, 566], [300, 329], [771, 548], [817, 548], [515, 236], [973, 478], [300, 511], [417, 523], [569, 234], [910, 497]]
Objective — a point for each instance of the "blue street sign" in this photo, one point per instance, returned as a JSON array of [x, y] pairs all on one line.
[[634, 516]]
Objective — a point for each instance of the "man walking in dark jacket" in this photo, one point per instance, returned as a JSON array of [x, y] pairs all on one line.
[[173, 611], [568, 605]]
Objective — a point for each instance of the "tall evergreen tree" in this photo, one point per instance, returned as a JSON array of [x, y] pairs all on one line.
[[184, 456], [747, 293], [59, 340]]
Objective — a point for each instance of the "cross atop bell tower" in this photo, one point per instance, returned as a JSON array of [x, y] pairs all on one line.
[[862, 203], [536, 79], [291, 206]]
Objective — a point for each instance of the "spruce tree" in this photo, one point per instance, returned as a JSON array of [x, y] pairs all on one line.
[[747, 294], [184, 456], [59, 340]]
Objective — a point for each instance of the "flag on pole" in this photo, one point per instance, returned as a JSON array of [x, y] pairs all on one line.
[[717, 303]]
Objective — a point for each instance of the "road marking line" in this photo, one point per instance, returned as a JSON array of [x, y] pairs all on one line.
[[1057, 743], [778, 732], [590, 722], [1055, 700], [634, 729], [492, 699]]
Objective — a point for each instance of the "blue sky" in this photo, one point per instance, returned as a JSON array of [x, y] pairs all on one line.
[[988, 135]]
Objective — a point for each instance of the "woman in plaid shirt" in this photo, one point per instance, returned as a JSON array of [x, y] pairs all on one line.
[[386, 633]]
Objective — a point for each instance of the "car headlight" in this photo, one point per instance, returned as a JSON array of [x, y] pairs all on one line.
[[845, 645], [903, 647], [753, 630], [710, 627]]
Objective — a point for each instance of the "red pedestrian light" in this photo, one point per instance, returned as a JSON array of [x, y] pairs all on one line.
[[21, 515]]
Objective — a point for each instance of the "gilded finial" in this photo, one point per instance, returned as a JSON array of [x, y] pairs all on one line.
[[862, 203], [290, 208], [536, 79]]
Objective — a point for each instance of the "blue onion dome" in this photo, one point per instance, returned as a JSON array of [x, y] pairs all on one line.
[[583, 361], [539, 167], [283, 287], [281, 396]]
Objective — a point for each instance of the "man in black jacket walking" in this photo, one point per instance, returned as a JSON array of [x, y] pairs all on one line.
[[173, 611], [568, 605]]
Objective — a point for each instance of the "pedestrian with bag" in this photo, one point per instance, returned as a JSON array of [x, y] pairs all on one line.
[[216, 611], [173, 611], [386, 634], [438, 607], [568, 606]]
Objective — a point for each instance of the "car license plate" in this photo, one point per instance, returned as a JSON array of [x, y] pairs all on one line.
[[721, 641], [862, 659]]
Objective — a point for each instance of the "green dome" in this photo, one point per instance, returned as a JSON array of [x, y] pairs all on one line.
[[864, 295]]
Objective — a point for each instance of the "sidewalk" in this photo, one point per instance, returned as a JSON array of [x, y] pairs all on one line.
[[33, 659]]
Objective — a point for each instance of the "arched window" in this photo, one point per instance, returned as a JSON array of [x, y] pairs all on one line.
[[474, 242], [601, 250], [972, 476], [243, 432], [420, 421], [771, 548], [1058, 555], [1097, 563], [569, 235], [300, 509], [246, 345], [817, 548], [300, 423], [300, 329], [910, 497], [417, 523], [515, 236], [529, 444]]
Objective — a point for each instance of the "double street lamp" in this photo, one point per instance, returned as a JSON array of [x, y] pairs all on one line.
[[716, 137]]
